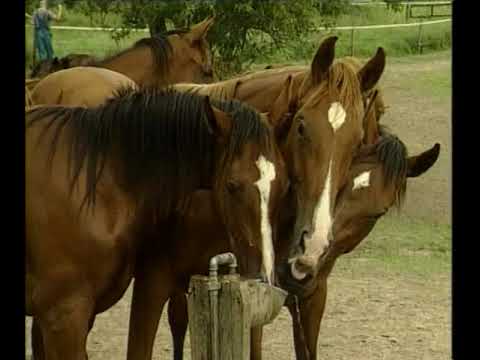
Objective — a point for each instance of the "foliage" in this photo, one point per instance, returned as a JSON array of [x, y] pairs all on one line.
[[394, 5], [96, 10]]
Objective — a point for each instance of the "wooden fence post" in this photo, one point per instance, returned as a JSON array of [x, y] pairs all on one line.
[[352, 42], [419, 39], [222, 331]]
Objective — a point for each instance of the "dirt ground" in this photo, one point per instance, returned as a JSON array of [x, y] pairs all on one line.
[[369, 315]]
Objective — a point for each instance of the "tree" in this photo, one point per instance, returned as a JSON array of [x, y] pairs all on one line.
[[243, 29]]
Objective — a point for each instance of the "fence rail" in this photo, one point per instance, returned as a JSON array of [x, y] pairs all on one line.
[[361, 27]]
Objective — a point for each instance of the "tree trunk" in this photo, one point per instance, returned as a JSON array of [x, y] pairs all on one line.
[[157, 26]]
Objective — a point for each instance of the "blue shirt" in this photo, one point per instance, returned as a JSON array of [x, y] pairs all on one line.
[[41, 19]]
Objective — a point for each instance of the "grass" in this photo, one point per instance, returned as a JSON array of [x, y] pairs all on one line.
[[399, 244], [438, 84]]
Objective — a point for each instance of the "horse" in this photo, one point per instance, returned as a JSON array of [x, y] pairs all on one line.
[[378, 179], [79, 86], [318, 144], [104, 184], [48, 66], [177, 56], [376, 182]]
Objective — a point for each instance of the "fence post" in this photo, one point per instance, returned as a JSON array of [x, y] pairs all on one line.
[[222, 311], [352, 42], [407, 10], [419, 39]]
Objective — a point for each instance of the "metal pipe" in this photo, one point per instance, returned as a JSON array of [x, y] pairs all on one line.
[[222, 259], [214, 286]]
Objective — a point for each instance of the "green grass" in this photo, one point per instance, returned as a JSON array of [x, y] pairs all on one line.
[[437, 84], [399, 244]]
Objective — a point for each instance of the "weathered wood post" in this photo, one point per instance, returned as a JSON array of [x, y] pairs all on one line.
[[419, 39], [352, 41], [223, 309]]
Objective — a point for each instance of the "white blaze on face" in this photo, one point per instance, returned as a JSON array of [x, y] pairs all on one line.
[[267, 175], [361, 181], [336, 115], [317, 241]]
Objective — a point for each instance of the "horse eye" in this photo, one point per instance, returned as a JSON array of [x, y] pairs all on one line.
[[301, 129]]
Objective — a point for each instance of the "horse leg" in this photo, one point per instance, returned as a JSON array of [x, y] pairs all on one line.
[[152, 287], [178, 320], [298, 333], [311, 313], [64, 328], [38, 352], [256, 334]]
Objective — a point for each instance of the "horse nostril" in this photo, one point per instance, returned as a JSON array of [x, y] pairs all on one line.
[[302, 241]]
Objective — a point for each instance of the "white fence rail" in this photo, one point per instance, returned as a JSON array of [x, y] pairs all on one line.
[[362, 27]]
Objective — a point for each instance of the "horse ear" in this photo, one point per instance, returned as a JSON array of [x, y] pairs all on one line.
[[218, 122], [371, 72], [417, 165], [200, 30], [323, 59], [283, 110]]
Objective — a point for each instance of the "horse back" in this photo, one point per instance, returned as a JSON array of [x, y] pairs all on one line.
[[79, 86]]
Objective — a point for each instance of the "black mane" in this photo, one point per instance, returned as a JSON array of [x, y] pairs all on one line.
[[392, 153], [156, 142], [160, 47]]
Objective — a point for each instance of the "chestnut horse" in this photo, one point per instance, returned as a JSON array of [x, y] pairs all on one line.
[[180, 56], [174, 57], [376, 182], [329, 105], [104, 184], [378, 179]]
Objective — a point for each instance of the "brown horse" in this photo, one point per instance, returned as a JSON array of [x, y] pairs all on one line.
[[329, 103], [179, 56], [378, 179], [174, 57], [48, 66], [376, 182], [104, 184], [79, 86]]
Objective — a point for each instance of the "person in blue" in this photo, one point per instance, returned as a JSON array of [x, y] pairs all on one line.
[[42, 37]]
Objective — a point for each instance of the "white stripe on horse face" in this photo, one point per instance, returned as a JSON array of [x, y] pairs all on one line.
[[336, 115], [362, 180], [317, 242], [267, 175]]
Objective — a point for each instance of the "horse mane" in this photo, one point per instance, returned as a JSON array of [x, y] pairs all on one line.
[[341, 81], [357, 64], [159, 46], [223, 90], [392, 153], [156, 142]]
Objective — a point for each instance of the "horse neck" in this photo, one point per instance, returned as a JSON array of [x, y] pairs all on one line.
[[136, 63], [261, 91]]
